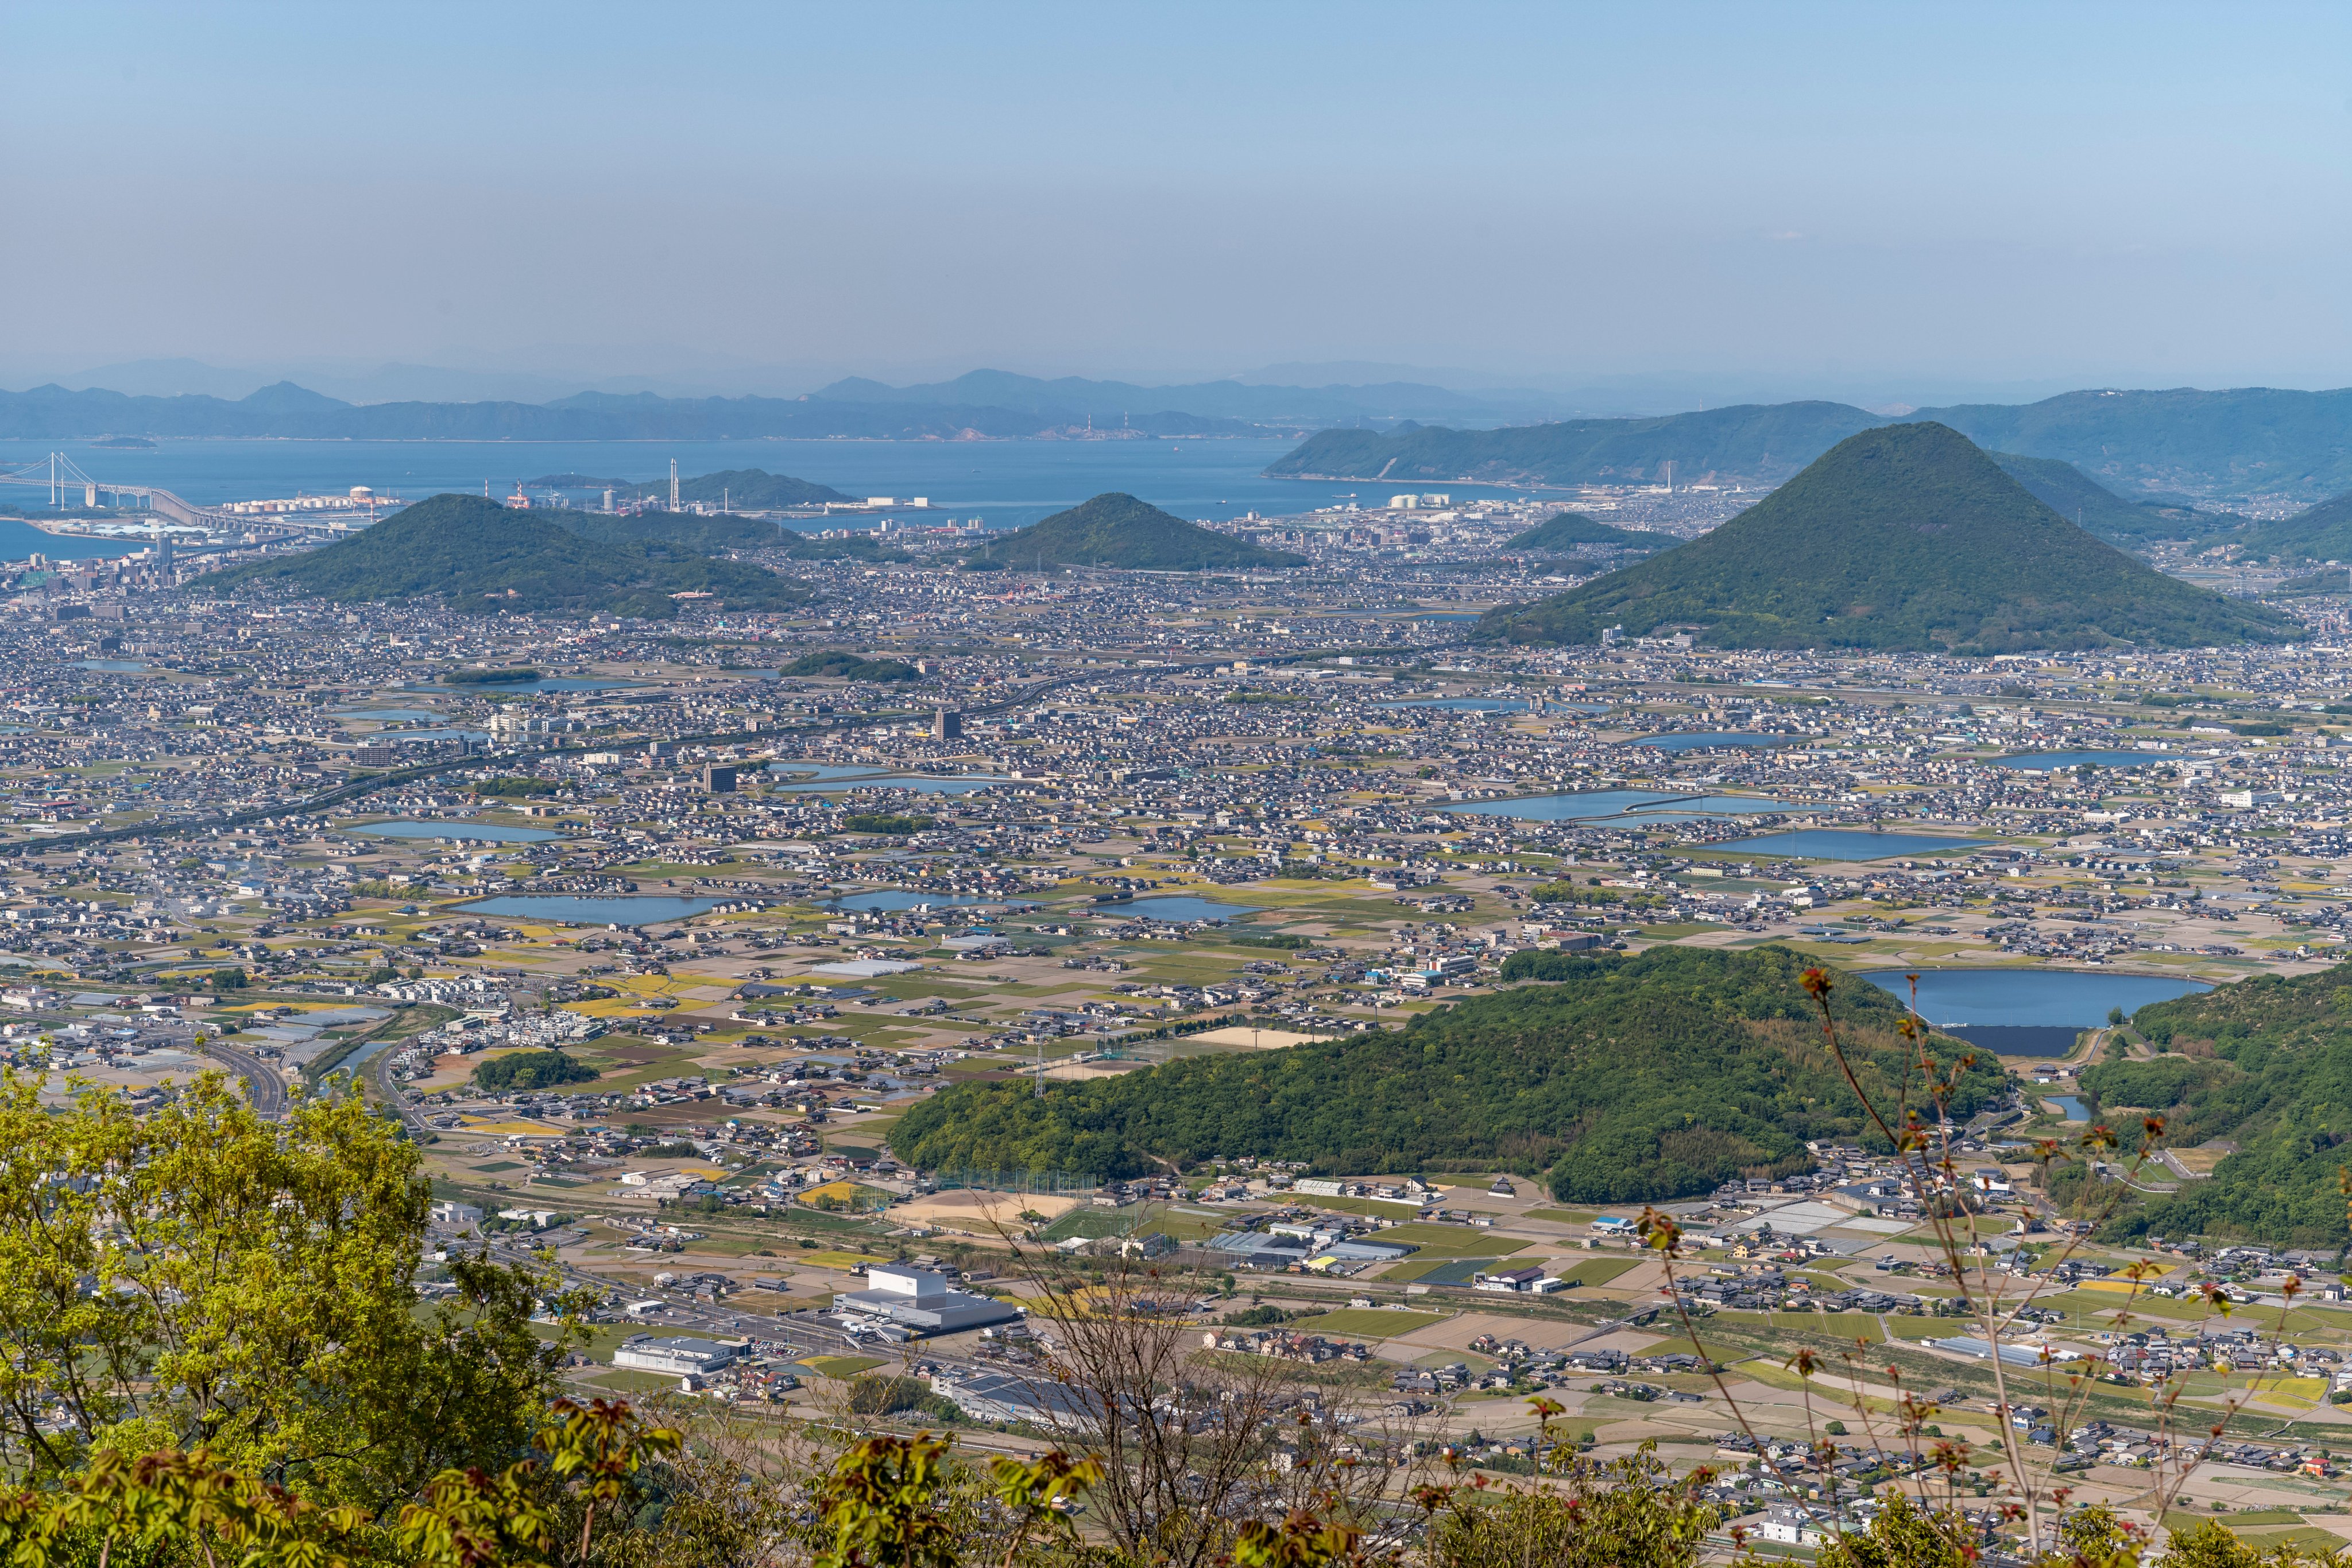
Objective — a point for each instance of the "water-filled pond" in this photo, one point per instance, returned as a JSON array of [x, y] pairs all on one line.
[[1845, 844], [567, 909], [2068, 999], [900, 898], [1625, 805], [1176, 907]]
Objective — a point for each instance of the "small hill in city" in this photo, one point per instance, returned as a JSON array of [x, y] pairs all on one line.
[[2092, 506], [473, 554], [2322, 532], [1565, 532], [1118, 530], [742, 489], [1905, 537], [838, 666], [1627, 1079]]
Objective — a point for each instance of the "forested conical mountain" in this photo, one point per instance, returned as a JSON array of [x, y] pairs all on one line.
[[1630, 1078], [1118, 530], [1564, 531], [2082, 500], [1903, 536], [2322, 532], [476, 554]]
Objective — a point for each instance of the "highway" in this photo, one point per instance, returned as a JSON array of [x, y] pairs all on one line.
[[263, 1087], [357, 788]]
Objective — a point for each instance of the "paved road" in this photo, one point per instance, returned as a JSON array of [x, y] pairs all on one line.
[[344, 793], [263, 1086]]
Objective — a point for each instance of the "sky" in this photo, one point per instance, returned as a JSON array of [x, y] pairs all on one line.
[[1892, 202]]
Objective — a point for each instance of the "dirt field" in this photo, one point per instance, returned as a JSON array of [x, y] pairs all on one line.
[[1258, 1038], [980, 1214]]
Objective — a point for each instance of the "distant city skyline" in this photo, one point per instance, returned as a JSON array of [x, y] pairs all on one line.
[[1701, 205]]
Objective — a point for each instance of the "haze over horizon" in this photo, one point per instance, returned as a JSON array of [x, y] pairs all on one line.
[[1630, 211]]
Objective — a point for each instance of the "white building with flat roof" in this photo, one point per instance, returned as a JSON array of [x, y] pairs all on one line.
[[674, 1357], [923, 1301]]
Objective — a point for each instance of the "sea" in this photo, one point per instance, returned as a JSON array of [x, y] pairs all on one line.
[[1003, 484]]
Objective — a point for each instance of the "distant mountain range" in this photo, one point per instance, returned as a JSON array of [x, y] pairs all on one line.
[[2243, 443], [1118, 530], [2165, 446], [1905, 537], [287, 410], [473, 554], [1070, 400]]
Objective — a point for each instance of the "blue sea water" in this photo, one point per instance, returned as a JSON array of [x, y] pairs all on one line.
[[1005, 484]]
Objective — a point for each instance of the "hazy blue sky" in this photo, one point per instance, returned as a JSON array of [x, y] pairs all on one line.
[[1877, 197]]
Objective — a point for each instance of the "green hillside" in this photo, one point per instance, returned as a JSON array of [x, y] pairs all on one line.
[[1903, 536], [852, 667], [475, 554], [1752, 439], [748, 489], [1566, 532], [2267, 1064], [1631, 1078], [2322, 532], [2082, 500], [675, 532], [1118, 530], [2233, 441]]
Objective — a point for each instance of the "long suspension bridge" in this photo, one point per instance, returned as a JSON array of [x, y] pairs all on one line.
[[62, 476]]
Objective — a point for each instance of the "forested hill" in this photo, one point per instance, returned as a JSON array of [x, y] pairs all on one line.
[[1118, 530], [1902, 537], [1757, 439], [1565, 531], [475, 554], [2322, 532], [2267, 1064], [2099, 511], [1625, 1079], [2242, 442]]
